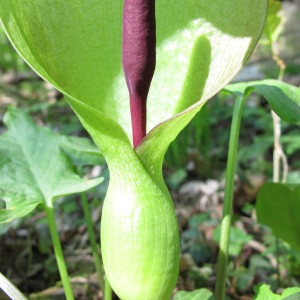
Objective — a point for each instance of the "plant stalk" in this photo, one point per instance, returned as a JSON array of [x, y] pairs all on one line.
[[107, 290], [228, 198], [9, 289], [59, 253], [92, 238]]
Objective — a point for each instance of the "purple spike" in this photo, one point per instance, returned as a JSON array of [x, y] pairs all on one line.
[[138, 57]]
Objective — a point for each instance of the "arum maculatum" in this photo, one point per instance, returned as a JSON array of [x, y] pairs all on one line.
[[76, 46]]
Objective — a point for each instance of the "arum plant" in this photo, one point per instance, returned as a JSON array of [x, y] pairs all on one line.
[[76, 45]]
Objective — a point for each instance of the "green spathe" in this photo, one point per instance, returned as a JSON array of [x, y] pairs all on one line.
[[76, 45], [146, 248]]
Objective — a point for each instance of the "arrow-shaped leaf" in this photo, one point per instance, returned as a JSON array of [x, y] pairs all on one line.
[[283, 98], [33, 168]]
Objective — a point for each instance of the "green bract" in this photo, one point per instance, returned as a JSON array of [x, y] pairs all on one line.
[[76, 45]]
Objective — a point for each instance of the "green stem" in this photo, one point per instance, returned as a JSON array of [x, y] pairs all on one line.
[[9, 289], [107, 290], [228, 199], [92, 238], [59, 253]]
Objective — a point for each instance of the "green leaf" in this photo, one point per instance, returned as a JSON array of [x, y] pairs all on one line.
[[274, 23], [33, 168], [283, 98], [278, 207], [292, 293], [202, 294], [81, 151], [75, 44], [263, 292]]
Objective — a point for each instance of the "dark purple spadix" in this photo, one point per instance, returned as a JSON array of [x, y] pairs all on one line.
[[138, 57]]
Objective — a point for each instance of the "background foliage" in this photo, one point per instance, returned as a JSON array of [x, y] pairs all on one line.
[[194, 170]]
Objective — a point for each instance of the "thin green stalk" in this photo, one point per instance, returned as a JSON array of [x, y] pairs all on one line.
[[88, 219], [228, 199], [107, 290], [59, 253], [9, 289]]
